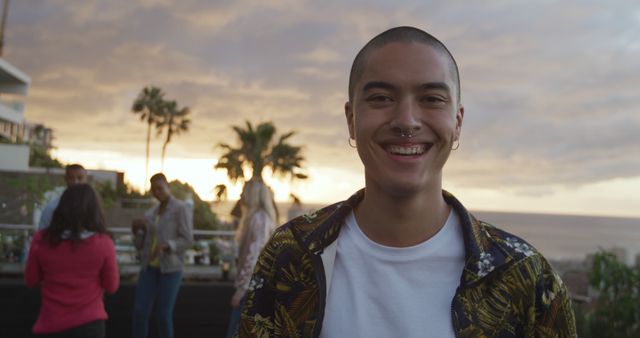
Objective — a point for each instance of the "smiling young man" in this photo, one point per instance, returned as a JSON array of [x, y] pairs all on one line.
[[402, 257]]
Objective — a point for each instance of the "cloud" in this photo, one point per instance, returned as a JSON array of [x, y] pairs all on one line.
[[320, 55], [548, 102]]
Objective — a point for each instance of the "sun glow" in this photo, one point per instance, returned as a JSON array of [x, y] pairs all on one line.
[[325, 185]]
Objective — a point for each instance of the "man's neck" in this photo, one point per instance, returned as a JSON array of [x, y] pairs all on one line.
[[401, 221]]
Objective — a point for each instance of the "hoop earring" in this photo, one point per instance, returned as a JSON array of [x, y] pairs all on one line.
[[456, 145], [351, 145]]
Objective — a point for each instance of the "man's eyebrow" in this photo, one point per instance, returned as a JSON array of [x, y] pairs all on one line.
[[378, 84], [388, 86], [436, 85]]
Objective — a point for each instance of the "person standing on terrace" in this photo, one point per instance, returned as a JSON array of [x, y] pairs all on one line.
[[403, 257], [74, 262], [73, 174], [255, 228], [162, 236]]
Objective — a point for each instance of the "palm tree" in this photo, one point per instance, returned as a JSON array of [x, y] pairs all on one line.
[[175, 121], [258, 151], [149, 104]]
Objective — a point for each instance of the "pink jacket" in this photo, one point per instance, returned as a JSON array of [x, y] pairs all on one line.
[[73, 279]]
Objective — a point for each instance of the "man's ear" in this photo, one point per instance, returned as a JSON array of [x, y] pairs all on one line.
[[459, 118], [348, 112]]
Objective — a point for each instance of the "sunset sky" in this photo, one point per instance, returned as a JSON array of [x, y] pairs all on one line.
[[551, 89]]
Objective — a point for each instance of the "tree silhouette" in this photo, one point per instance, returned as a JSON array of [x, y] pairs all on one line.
[[257, 150], [150, 106], [175, 121]]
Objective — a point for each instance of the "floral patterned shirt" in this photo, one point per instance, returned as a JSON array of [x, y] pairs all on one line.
[[507, 288]]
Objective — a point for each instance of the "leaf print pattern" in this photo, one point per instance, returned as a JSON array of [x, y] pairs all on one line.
[[262, 327], [256, 283], [519, 246], [485, 264], [309, 217], [507, 289]]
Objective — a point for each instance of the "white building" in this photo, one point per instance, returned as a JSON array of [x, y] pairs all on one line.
[[16, 133], [14, 85]]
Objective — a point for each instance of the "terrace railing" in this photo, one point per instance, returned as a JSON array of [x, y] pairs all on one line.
[[210, 257]]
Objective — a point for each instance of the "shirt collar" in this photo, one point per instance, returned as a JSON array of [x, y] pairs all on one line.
[[316, 230]]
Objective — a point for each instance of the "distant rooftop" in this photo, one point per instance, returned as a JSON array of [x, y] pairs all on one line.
[[12, 79]]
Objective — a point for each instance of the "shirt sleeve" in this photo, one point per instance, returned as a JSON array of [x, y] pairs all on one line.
[[33, 271], [555, 316], [110, 275], [259, 311], [47, 214], [184, 239], [140, 238], [259, 231]]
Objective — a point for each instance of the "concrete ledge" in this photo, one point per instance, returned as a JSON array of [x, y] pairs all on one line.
[[202, 310], [130, 271]]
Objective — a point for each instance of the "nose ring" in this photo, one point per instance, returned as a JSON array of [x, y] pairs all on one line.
[[406, 133]]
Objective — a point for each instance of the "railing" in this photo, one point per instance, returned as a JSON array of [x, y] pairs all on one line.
[[211, 255], [13, 238], [15, 105]]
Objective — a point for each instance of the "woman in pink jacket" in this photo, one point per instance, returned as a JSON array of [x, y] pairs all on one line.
[[74, 263]]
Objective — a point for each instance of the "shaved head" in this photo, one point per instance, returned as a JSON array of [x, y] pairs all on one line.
[[403, 34]]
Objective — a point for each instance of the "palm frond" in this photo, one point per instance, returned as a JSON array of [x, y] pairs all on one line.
[[257, 150], [232, 161], [295, 199], [149, 103], [221, 192]]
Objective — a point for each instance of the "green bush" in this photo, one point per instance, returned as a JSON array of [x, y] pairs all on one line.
[[39, 157], [617, 311], [203, 217]]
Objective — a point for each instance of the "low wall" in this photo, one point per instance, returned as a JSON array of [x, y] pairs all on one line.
[[202, 310]]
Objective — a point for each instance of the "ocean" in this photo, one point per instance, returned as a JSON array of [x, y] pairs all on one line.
[[557, 237], [561, 237]]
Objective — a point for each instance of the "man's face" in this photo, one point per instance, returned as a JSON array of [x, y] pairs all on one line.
[[75, 176], [160, 190], [404, 87]]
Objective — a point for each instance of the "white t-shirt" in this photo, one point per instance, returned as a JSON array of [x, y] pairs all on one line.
[[47, 213], [380, 291]]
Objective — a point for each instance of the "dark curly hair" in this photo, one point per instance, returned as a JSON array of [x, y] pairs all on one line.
[[78, 210]]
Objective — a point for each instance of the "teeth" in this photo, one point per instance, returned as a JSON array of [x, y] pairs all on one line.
[[404, 150]]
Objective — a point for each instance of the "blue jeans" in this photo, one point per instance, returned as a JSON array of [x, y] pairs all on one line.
[[161, 287], [235, 318]]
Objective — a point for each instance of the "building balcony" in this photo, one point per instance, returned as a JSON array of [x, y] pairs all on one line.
[[12, 79]]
